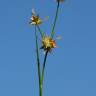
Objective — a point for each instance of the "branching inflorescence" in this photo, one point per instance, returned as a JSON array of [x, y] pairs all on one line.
[[47, 42]]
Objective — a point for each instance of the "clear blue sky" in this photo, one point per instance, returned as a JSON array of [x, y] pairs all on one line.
[[71, 67]]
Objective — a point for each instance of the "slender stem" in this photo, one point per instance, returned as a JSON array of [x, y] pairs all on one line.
[[38, 64], [41, 33], [44, 63], [55, 20]]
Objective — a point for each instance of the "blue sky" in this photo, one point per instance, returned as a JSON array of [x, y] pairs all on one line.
[[71, 67]]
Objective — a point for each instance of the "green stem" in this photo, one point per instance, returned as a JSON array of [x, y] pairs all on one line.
[[41, 33], [44, 63], [55, 20], [38, 64]]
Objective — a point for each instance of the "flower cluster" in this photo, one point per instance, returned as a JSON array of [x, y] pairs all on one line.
[[48, 43], [35, 20]]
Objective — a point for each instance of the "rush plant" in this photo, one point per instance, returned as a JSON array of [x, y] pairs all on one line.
[[47, 43]]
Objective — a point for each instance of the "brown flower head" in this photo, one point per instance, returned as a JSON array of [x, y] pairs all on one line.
[[35, 20], [48, 43]]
